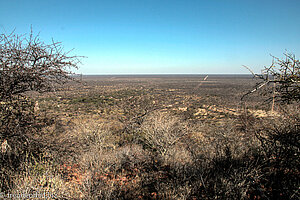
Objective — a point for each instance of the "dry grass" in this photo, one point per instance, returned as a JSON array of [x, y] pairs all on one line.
[[153, 151]]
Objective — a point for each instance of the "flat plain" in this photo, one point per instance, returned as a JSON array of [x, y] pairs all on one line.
[[160, 137]]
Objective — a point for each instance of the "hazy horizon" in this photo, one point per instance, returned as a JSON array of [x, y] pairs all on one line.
[[202, 74]]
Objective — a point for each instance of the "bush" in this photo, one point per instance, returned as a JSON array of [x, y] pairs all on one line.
[[280, 141], [162, 131]]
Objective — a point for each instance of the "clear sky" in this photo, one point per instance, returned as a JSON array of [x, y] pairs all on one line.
[[162, 36]]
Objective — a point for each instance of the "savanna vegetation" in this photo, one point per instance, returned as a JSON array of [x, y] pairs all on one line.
[[144, 137]]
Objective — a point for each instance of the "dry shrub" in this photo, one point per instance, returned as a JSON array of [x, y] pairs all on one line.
[[279, 138], [266, 168], [173, 191], [40, 177], [18, 128], [178, 157], [109, 171], [76, 153], [161, 131], [119, 174], [69, 139], [228, 141]]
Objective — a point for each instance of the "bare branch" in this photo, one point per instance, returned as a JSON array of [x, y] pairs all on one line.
[[286, 74], [27, 64]]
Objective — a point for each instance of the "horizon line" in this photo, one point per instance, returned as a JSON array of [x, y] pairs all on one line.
[[115, 74]]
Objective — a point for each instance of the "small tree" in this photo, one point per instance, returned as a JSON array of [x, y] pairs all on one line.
[[284, 77], [26, 64]]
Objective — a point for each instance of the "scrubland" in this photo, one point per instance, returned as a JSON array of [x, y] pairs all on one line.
[[152, 137]]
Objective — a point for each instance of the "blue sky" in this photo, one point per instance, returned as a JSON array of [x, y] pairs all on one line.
[[149, 36]]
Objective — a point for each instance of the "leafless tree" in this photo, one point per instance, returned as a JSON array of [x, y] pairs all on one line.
[[284, 78], [28, 64]]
